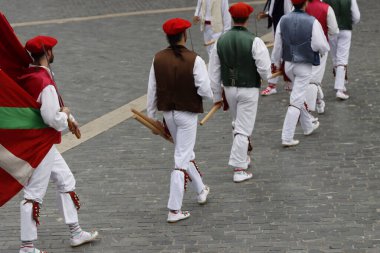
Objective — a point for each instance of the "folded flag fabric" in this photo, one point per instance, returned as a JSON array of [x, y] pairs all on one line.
[[13, 56], [24, 138]]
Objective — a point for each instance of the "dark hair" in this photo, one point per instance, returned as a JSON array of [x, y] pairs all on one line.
[[299, 6], [37, 56], [173, 40], [240, 20]]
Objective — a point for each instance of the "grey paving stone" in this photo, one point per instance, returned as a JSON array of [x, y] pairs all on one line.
[[321, 196]]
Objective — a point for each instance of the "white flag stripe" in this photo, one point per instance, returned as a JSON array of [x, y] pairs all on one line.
[[14, 166]]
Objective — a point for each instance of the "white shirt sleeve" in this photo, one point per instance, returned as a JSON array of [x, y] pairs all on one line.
[[270, 9], [201, 78], [50, 109], [288, 6], [261, 56], [151, 107], [355, 13], [214, 71], [197, 9], [226, 16], [277, 48], [332, 24], [318, 39]]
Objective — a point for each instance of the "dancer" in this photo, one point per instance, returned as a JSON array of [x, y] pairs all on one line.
[[240, 60], [178, 80]]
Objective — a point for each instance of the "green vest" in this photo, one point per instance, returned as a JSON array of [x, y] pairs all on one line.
[[238, 68], [342, 9]]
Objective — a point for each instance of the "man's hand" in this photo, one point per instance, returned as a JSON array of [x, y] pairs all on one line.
[[261, 15], [158, 123], [65, 110], [196, 20], [219, 103], [274, 68], [74, 128]]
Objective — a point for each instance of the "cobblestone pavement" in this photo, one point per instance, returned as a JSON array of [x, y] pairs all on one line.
[[319, 197]]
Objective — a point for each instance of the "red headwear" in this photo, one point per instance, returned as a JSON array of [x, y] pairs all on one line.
[[240, 10], [298, 1], [175, 26], [37, 44]]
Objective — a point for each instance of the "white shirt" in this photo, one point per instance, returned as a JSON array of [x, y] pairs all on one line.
[[332, 24], [259, 53], [201, 81], [355, 13], [288, 6], [318, 42], [225, 13], [50, 108]]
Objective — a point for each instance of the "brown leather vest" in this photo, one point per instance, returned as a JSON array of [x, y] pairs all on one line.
[[175, 81]]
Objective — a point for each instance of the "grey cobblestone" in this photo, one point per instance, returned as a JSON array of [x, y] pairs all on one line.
[[319, 197]]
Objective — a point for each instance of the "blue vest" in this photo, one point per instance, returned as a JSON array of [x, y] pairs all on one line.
[[296, 31]]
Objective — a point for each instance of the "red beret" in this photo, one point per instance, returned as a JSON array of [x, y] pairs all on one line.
[[175, 26], [298, 1], [37, 44], [240, 10]]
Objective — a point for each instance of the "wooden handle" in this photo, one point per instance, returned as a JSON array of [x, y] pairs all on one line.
[[269, 44], [261, 15], [151, 124], [210, 113], [77, 131], [276, 74], [209, 43]]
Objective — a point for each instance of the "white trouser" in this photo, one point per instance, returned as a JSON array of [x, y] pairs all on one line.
[[273, 80], [300, 74], [318, 72], [208, 35], [340, 50], [243, 106], [276, 79], [53, 167], [183, 129], [314, 90]]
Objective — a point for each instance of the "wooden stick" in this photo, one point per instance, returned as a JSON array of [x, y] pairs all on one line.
[[146, 123], [159, 127], [210, 113], [269, 44], [77, 131], [152, 127], [209, 43], [276, 74], [151, 124], [261, 15]]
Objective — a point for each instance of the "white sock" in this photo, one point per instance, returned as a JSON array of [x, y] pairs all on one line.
[[75, 229]]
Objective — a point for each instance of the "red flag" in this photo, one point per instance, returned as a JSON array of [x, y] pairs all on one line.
[[13, 56], [24, 138]]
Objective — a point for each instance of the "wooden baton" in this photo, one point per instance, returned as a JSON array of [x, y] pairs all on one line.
[[276, 74], [209, 43], [77, 131], [269, 44], [210, 113], [151, 124]]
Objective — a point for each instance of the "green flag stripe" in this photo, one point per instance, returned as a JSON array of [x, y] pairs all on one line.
[[20, 118]]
